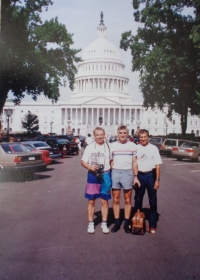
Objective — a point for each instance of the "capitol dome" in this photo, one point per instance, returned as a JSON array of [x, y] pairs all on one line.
[[101, 49], [101, 71]]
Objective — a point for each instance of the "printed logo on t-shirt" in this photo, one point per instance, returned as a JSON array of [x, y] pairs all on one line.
[[97, 158]]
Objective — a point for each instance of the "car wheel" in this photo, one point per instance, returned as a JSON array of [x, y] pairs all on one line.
[[198, 158]]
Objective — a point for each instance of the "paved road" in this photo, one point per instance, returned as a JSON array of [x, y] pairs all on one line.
[[43, 229]]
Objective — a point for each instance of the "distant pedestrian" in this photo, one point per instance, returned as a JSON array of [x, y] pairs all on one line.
[[149, 161], [96, 159], [88, 140]]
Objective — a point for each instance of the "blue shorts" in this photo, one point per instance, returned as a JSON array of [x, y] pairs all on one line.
[[98, 188], [122, 179]]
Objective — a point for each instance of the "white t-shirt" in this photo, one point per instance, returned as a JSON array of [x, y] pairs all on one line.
[[97, 154], [89, 140], [122, 154], [147, 157]]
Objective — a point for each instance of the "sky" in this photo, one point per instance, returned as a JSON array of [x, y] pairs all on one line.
[[81, 17]]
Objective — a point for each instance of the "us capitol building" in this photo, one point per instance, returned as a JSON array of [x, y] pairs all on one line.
[[100, 98]]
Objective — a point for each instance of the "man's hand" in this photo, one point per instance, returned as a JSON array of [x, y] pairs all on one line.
[[156, 184], [93, 167], [136, 181]]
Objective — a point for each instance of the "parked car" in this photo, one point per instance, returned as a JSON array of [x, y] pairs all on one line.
[[136, 140], [72, 147], [166, 147], [15, 159], [61, 144], [47, 158], [157, 141], [189, 150], [112, 139], [54, 153]]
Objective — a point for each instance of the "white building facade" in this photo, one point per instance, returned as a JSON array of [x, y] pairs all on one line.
[[100, 98]]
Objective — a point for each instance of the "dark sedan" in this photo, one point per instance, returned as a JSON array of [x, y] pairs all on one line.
[[72, 146]]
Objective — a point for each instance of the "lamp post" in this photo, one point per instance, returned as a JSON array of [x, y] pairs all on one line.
[[51, 124], [8, 114], [166, 127]]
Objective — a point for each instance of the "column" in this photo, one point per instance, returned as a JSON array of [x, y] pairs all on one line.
[[97, 116], [119, 118], [135, 115], [76, 114], [130, 116], [92, 117], [86, 115], [108, 116], [81, 115], [114, 116], [124, 116], [103, 116]]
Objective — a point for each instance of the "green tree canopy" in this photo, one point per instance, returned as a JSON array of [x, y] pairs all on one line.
[[35, 57], [166, 52], [30, 123]]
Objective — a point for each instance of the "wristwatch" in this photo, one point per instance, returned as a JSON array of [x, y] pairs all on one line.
[[158, 179]]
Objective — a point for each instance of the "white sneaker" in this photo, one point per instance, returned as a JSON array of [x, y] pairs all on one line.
[[104, 228], [90, 228]]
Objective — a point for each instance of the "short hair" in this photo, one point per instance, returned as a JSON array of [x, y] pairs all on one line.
[[89, 135], [98, 128], [122, 127], [141, 131]]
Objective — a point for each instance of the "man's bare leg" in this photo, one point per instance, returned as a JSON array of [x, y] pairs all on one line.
[[90, 208]]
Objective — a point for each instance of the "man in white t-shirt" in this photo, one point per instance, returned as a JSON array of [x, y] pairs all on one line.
[[149, 161], [96, 159], [123, 163]]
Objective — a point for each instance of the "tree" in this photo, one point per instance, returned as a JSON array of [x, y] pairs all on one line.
[[35, 56], [166, 53], [30, 123]]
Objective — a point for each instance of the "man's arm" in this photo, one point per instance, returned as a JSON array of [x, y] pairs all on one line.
[[111, 163], [89, 166], [135, 170], [157, 182]]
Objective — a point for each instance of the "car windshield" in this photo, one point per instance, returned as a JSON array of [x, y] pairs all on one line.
[[190, 145], [28, 147], [154, 140], [62, 141], [40, 144], [14, 148]]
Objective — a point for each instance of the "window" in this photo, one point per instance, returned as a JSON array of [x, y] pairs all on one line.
[[149, 121], [173, 121], [156, 121]]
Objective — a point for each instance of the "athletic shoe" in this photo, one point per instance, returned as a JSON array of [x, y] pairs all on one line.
[[104, 228], [115, 228], [127, 229], [90, 228]]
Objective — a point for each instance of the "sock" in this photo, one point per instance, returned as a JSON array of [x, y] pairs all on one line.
[[117, 222], [126, 222], [104, 223], [91, 223]]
